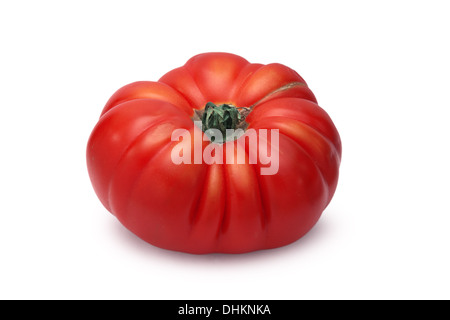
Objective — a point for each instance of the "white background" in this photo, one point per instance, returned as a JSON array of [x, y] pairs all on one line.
[[380, 69]]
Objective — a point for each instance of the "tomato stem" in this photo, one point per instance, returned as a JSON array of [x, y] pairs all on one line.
[[220, 117]]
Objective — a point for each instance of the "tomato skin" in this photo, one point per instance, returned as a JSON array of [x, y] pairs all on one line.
[[206, 208]]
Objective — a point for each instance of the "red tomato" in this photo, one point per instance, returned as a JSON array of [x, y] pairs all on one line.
[[205, 208]]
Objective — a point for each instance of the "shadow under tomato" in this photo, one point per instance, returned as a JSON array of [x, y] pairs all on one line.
[[304, 243]]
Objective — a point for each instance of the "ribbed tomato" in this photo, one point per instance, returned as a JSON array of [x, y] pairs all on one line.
[[207, 206]]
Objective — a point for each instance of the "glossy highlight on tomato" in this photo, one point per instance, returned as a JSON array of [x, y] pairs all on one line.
[[215, 208]]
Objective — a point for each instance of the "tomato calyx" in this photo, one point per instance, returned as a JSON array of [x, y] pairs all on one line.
[[226, 118], [221, 117]]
